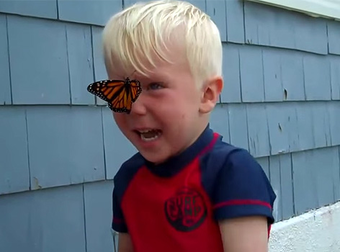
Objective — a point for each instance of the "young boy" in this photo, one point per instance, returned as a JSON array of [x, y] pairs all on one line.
[[185, 190]]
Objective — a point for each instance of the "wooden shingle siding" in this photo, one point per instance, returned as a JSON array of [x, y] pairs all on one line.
[[59, 145], [14, 161], [333, 32], [38, 61], [5, 83], [96, 12], [65, 145], [274, 27], [45, 220], [33, 8]]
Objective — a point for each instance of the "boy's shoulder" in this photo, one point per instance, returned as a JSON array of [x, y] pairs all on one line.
[[236, 183], [129, 168], [227, 156]]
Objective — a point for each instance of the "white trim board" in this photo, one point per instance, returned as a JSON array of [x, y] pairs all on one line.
[[317, 8], [317, 231]]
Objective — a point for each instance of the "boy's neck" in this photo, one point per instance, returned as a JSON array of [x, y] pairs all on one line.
[[200, 132]]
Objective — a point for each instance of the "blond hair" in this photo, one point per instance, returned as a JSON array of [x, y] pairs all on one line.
[[134, 36]]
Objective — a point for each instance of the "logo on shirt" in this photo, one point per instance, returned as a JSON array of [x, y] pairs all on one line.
[[186, 210]]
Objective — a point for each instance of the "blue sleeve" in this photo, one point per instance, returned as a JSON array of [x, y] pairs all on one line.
[[242, 188], [121, 181], [118, 222]]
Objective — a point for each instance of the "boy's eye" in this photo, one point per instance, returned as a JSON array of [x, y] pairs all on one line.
[[155, 85]]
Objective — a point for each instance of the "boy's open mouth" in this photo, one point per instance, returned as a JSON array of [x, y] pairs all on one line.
[[149, 135]]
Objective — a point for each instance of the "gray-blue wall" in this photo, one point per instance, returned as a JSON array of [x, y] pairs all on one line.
[[59, 152]]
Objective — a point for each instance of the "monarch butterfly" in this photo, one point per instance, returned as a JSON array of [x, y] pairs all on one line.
[[120, 94]]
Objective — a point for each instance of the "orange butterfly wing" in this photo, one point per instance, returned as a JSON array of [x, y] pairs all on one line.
[[120, 94], [135, 90]]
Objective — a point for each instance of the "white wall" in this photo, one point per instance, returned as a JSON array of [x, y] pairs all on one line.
[[314, 231]]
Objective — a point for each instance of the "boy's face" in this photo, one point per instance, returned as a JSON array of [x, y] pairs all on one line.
[[171, 111]]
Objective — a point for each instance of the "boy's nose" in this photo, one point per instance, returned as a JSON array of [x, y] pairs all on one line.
[[138, 107]]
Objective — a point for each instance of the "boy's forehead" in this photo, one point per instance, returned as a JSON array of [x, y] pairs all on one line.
[[157, 73], [160, 68]]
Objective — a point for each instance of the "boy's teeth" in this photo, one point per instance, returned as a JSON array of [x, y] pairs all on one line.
[[144, 131], [149, 135], [147, 139]]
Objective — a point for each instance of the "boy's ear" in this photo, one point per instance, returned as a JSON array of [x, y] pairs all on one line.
[[211, 91]]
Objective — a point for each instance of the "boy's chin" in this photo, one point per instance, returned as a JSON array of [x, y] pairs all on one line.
[[155, 158]]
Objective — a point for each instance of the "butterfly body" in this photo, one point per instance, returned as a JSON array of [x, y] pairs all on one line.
[[120, 94]]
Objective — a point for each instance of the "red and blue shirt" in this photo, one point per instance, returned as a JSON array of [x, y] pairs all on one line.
[[176, 206]]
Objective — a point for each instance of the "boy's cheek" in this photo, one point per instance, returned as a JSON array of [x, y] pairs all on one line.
[[120, 120]]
